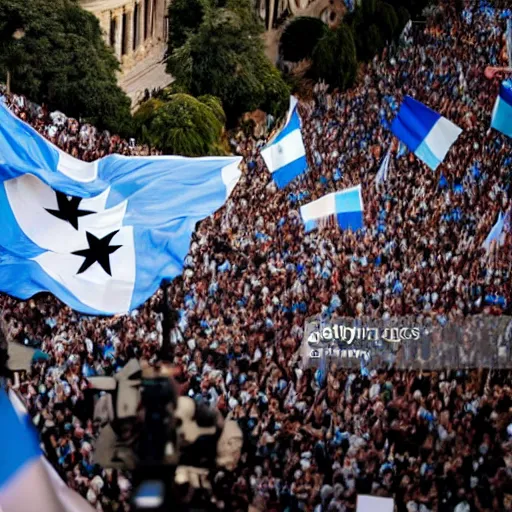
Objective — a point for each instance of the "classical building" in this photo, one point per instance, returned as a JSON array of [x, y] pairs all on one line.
[[275, 12], [132, 27], [137, 31]]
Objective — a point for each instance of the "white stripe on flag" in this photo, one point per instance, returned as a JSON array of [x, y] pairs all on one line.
[[284, 152]]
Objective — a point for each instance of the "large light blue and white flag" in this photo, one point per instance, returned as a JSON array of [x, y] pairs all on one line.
[[344, 208], [101, 236], [495, 235], [502, 112], [383, 172], [285, 155], [28, 482], [426, 133]]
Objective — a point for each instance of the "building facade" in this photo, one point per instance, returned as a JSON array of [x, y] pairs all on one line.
[[133, 28], [274, 13]]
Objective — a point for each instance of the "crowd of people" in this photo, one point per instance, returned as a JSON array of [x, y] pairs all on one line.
[[435, 441]]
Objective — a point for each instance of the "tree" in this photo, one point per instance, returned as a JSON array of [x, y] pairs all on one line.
[[182, 125], [185, 17], [334, 58], [387, 21], [63, 61], [294, 46], [225, 58], [403, 17]]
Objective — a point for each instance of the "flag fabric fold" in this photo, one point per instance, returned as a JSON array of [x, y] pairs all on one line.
[[502, 113], [425, 132], [101, 236], [285, 155], [344, 208]]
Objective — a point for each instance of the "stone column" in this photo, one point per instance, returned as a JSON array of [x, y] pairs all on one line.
[[118, 15], [105, 26], [150, 19], [159, 19], [129, 31], [271, 7]]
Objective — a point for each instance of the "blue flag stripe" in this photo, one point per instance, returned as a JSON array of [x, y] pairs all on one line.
[[18, 441]]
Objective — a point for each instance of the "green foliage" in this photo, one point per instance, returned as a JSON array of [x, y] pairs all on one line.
[[185, 17], [374, 23], [62, 61], [388, 21], [225, 58], [182, 125], [403, 17], [215, 105], [300, 37], [414, 7], [334, 58]]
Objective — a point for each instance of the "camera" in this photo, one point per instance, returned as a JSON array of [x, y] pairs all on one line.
[[171, 443]]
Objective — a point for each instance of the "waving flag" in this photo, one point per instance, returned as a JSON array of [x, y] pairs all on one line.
[[402, 150], [23, 467], [502, 112], [382, 174], [495, 233], [101, 236], [344, 208], [426, 133], [285, 155]]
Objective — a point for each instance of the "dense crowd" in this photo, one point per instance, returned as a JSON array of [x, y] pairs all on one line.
[[435, 441]]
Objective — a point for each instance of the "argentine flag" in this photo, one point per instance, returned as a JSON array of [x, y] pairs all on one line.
[[101, 236], [426, 133], [28, 482], [285, 155], [502, 112], [345, 208]]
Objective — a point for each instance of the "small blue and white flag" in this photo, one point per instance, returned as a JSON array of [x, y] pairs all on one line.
[[402, 150], [426, 133], [344, 208], [285, 155], [101, 236], [23, 467], [502, 112], [495, 235], [383, 172]]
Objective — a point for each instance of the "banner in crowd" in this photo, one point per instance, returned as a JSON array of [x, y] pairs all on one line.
[[426, 133], [502, 112], [344, 208], [285, 155], [101, 236], [23, 466], [410, 342], [374, 504]]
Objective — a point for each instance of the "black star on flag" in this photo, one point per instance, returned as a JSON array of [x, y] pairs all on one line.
[[99, 251], [68, 209]]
